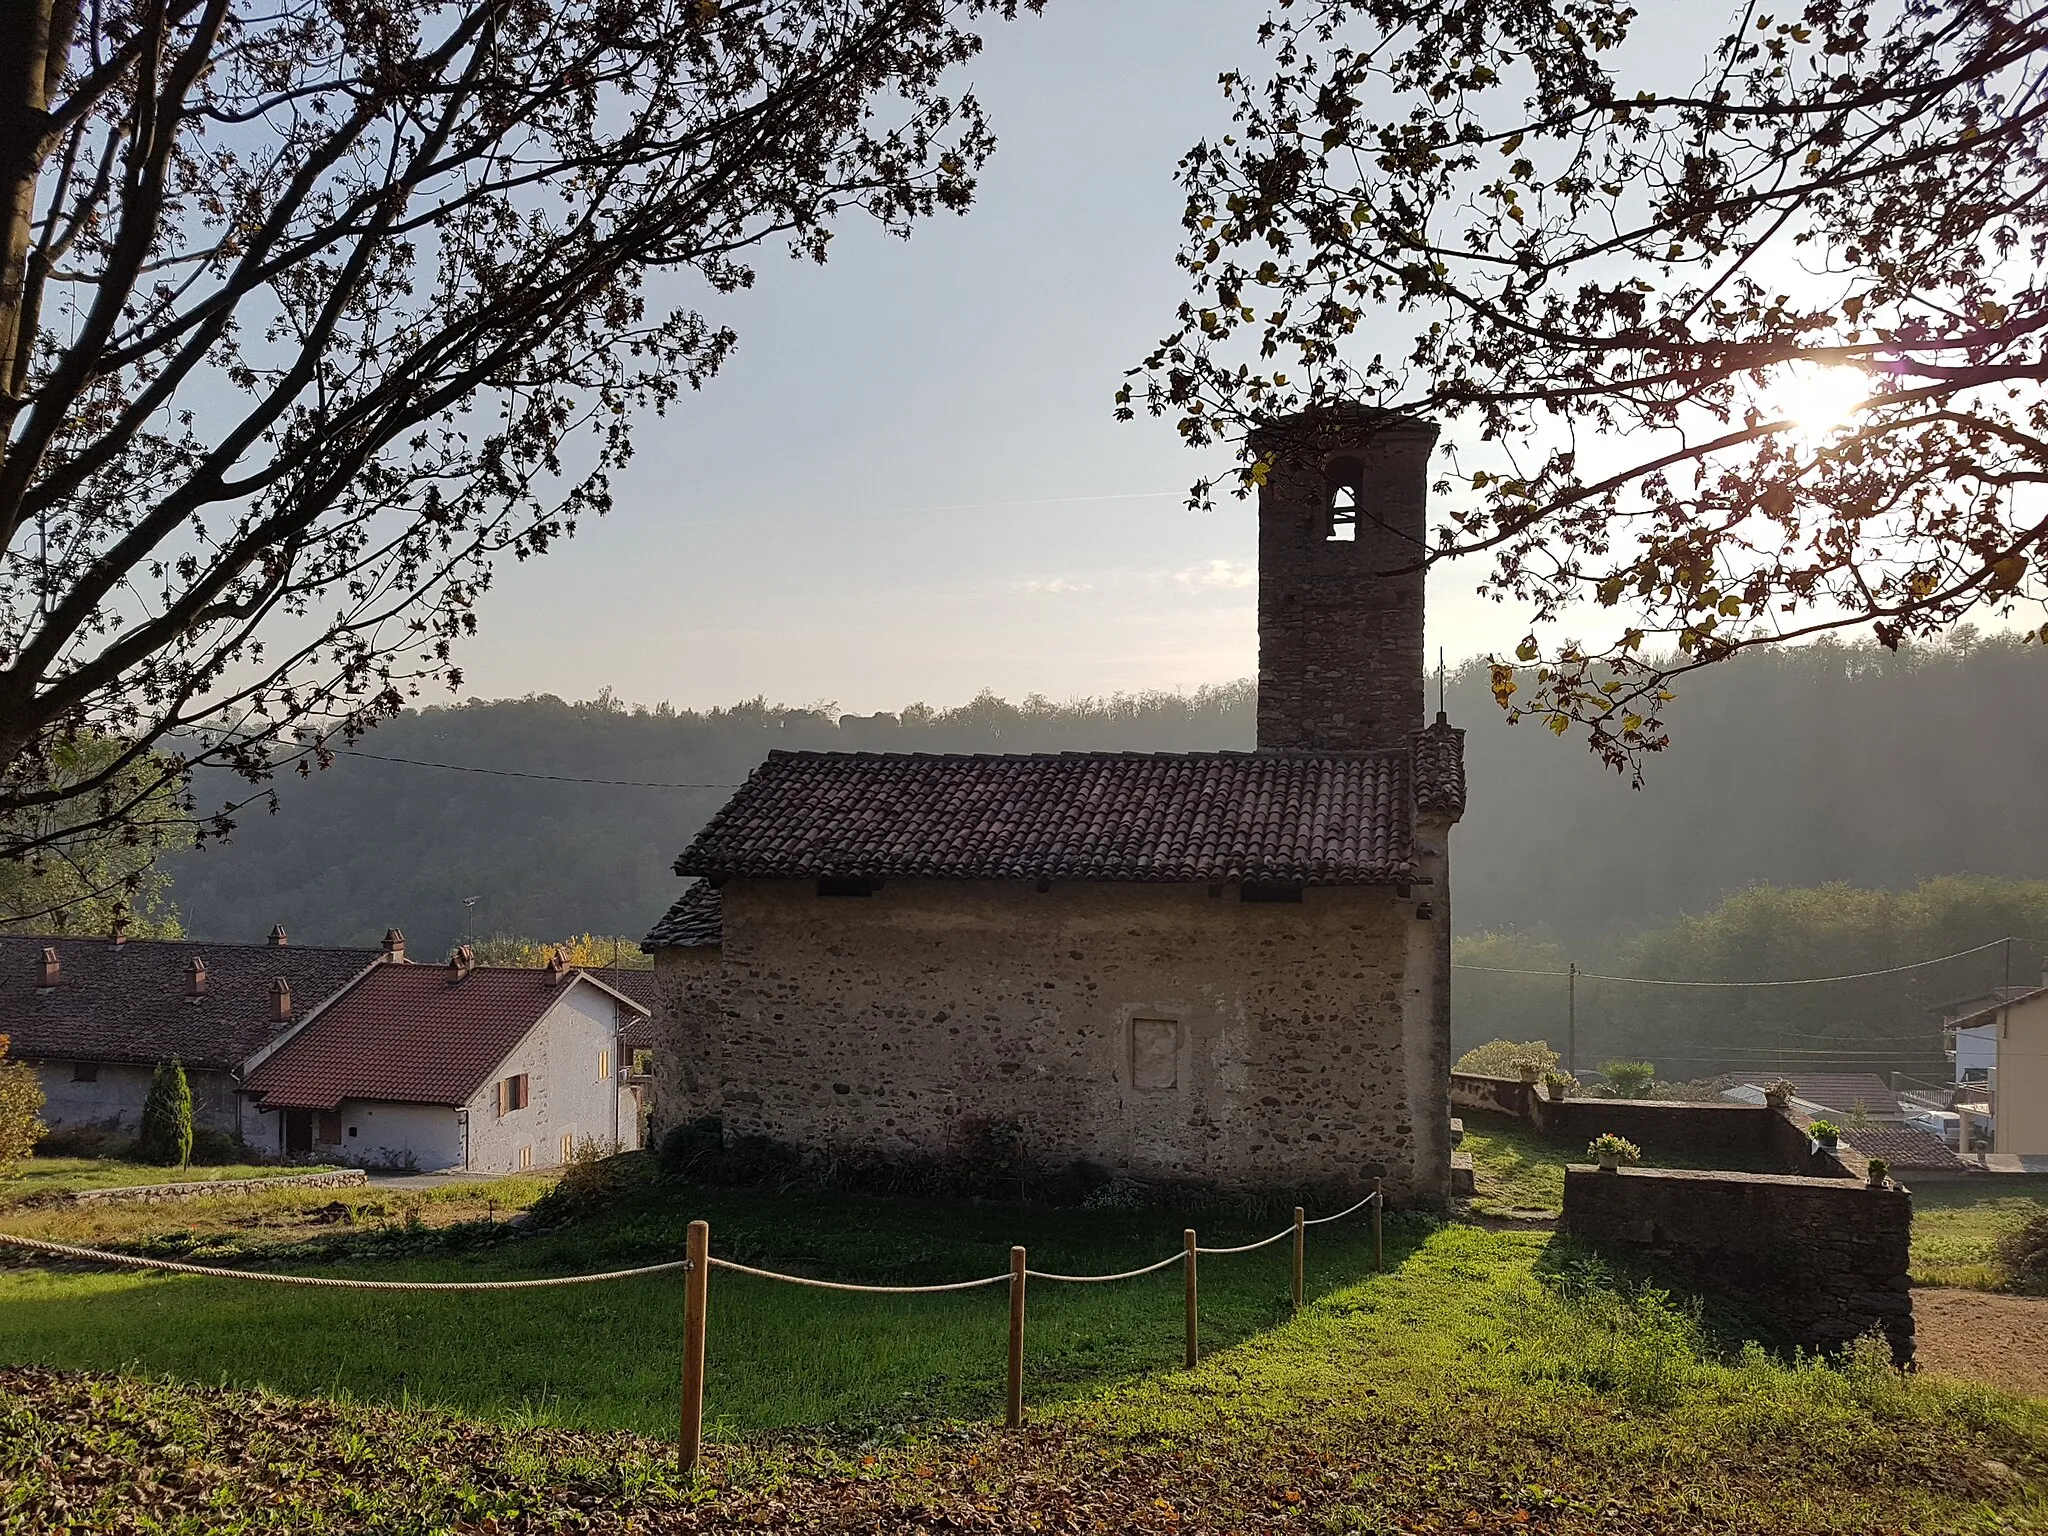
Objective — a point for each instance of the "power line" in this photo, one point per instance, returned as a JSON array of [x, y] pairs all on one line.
[[1798, 981], [510, 773]]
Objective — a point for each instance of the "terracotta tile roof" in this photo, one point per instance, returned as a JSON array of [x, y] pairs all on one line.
[[1440, 769], [1336, 819], [129, 1004], [1906, 1147], [1841, 1093], [411, 1034], [696, 921]]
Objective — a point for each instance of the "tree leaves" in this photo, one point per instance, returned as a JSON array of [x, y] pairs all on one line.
[[1625, 331]]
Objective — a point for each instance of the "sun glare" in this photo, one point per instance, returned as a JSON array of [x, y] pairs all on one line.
[[1818, 400]]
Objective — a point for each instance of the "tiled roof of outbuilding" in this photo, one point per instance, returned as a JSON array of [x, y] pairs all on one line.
[[696, 921], [1906, 1147], [1337, 819], [410, 1034], [1841, 1093], [128, 1002]]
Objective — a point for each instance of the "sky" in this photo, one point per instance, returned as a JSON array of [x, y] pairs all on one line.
[[908, 483]]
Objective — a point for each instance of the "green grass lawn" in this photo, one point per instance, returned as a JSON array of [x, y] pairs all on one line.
[[65, 1175], [1491, 1381], [1957, 1225], [606, 1356]]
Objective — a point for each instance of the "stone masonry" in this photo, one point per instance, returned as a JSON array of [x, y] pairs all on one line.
[[1340, 618], [1824, 1259], [1163, 1033]]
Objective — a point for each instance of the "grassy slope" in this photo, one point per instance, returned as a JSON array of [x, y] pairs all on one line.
[[780, 1356], [62, 1175], [1460, 1392]]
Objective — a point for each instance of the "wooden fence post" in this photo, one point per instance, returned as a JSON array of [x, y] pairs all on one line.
[[1300, 1247], [1013, 1411], [1194, 1350], [1379, 1210], [696, 1296]]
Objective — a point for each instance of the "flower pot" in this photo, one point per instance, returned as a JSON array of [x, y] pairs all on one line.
[[1610, 1165], [1829, 1142], [1777, 1100], [1529, 1074]]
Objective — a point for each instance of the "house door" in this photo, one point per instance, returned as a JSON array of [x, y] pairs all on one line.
[[298, 1132]]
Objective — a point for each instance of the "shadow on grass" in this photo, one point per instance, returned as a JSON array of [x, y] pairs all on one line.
[[780, 1356], [1725, 1328]]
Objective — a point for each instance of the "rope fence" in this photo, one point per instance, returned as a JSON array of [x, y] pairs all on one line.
[[218, 1272], [698, 1264]]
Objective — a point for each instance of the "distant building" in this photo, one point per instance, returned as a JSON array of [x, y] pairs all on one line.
[[1838, 1096], [482, 1069], [1224, 968], [96, 1016], [2013, 1033]]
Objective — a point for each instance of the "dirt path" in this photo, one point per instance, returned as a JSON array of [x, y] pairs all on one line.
[[1999, 1340]]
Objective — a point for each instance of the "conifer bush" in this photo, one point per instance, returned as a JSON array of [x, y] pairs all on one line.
[[21, 1105], [166, 1137]]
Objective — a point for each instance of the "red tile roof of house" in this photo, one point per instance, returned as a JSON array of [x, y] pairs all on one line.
[[129, 1003], [410, 1034], [1283, 818]]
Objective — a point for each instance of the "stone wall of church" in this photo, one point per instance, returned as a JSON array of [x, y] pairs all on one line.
[[1161, 1032]]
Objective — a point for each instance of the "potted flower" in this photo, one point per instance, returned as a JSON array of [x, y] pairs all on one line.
[[1530, 1068], [1558, 1086], [1611, 1151], [1877, 1170], [1779, 1094], [1826, 1132]]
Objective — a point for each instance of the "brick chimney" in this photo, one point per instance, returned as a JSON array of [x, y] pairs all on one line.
[[119, 935], [1343, 529], [278, 937], [394, 946], [281, 1001], [558, 965], [50, 969], [195, 977], [461, 962]]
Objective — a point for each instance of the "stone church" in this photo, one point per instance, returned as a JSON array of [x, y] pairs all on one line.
[[1222, 968]]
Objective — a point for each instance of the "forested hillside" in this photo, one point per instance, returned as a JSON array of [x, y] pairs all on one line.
[[1831, 763]]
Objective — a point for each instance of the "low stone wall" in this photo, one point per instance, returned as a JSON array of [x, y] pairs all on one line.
[[1748, 1136], [1498, 1095], [1825, 1258], [201, 1189]]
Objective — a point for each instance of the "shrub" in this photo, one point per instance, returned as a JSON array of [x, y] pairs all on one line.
[[21, 1107], [1826, 1132], [2024, 1253], [1503, 1058], [166, 1137], [590, 1186], [215, 1149], [1628, 1079]]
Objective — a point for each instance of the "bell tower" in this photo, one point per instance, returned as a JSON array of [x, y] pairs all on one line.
[[1342, 538]]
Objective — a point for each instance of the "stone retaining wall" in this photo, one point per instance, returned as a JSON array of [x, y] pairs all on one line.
[[1824, 1258], [1751, 1136], [199, 1189]]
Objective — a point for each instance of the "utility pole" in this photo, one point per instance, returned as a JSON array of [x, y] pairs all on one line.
[[1571, 1018]]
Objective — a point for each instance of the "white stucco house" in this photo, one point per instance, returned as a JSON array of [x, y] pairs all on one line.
[[481, 1069]]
